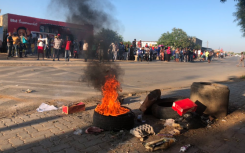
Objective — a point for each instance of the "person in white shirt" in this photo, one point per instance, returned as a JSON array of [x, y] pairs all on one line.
[[85, 50], [114, 51], [41, 43]]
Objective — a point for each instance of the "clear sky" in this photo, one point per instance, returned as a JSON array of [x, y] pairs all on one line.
[[208, 20]]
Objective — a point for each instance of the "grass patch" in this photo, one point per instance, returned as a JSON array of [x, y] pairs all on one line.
[[242, 77]]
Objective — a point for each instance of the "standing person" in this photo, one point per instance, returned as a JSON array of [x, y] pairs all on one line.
[[188, 54], [151, 54], [139, 44], [181, 55], [209, 57], [29, 42], [191, 54], [16, 43], [126, 52], [57, 46], [140, 54], [177, 52], [68, 49], [158, 51], [48, 47], [9, 43], [80, 45], [131, 53], [40, 48], [185, 54], [76, 48], [85, 50], [162, 53], [168, 54], [241, 61], [114, 52], [206, 54], [121, 51], [23, 39]]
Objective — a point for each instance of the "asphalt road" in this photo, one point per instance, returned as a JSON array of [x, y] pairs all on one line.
[[59, 82]]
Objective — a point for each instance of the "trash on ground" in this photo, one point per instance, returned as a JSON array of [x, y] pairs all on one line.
[[184, 106], [174, 132], [162, 143], [184, 148], [169, 122], [192, 121], [73, 108], [164, 135], [177, 126], [142, 131], [150, 99], [28, 91], [78, 132], [139, 119], [45, 107], [223, 120], [93, 129]]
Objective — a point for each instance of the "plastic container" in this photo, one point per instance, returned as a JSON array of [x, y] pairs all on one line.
[[184, 106]]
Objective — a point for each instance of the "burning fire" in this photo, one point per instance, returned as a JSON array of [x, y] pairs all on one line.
[[110, 105]]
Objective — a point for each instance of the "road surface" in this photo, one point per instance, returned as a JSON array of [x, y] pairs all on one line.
[[59, 82]]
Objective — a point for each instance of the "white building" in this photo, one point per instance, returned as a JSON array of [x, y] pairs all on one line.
[[150, 43]]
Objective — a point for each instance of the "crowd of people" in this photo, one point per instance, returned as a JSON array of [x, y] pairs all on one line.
[[115, 51], [159, 52], [47, 47]]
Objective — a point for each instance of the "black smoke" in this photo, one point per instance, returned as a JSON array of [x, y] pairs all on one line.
[[95, 12], [98, 13], [96, 73]]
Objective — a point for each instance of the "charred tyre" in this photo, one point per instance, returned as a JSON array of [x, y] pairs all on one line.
[[162, 109]]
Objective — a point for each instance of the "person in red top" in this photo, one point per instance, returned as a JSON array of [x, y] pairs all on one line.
[[139, 44], [146, 46], [68, 49]]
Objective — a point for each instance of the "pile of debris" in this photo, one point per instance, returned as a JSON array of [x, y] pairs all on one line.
[[207, 102]]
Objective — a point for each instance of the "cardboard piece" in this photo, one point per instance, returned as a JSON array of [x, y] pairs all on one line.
[[74, 108]]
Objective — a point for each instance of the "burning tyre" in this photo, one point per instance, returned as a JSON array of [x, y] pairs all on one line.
[[125, 121], [110, 115]]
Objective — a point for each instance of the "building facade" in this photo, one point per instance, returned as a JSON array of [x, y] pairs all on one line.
[[197, 41], [150, 43]]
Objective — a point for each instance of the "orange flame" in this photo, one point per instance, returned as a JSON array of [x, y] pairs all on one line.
[[110, 105]]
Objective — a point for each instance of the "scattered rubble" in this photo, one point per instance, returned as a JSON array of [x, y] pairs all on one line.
[[93, 129], [162, 143], [78, 132], [28, 91], [184, 148], [142, 131]]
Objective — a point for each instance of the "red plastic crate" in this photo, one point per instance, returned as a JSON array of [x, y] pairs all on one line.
[[184, 106]]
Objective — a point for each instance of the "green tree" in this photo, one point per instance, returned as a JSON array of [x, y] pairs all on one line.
[[127, 42], [239, 14], [197, 47], [177, 38], [108, 36], [166, 39]]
